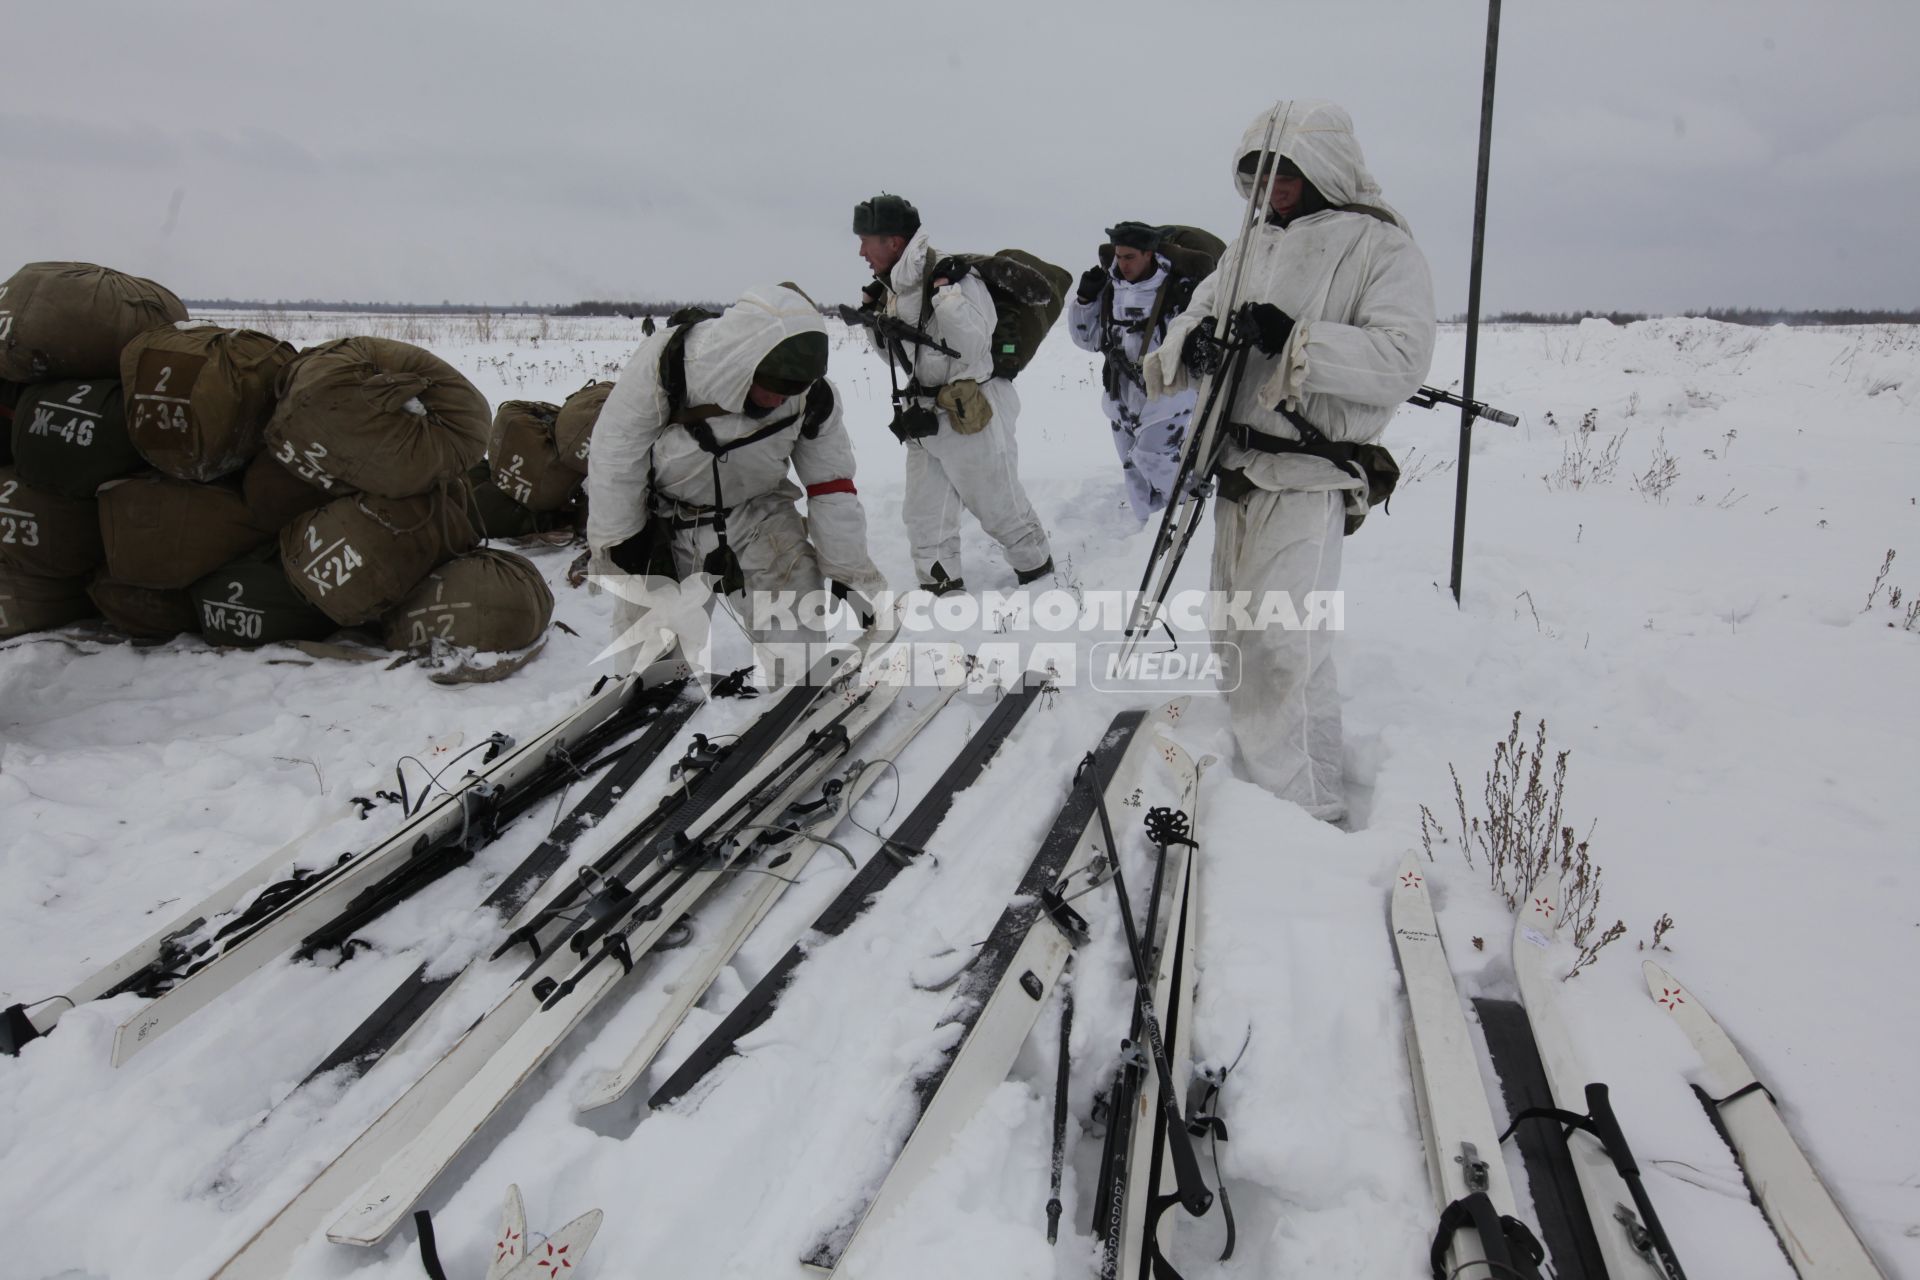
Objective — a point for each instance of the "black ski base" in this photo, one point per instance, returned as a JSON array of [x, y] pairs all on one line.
[[900, 848], [1566, 1228]]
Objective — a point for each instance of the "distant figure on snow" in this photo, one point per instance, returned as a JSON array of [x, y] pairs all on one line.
[[1337, 305], [957, 423]]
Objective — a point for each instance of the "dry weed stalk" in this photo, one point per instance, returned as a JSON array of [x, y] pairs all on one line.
[[1524, 839]]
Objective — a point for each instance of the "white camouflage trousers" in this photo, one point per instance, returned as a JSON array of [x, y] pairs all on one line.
[[1286, 706], [948, 473], [1149, 459]]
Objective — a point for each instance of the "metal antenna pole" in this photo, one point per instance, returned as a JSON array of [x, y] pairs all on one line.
[[1473, 293]]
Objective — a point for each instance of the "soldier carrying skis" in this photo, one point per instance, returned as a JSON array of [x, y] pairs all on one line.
[[1333, 330]]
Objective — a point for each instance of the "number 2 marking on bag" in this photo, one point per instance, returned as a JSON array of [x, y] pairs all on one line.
[[306, 465]]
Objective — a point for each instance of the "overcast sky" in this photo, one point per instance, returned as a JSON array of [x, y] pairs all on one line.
[[1646, 156]]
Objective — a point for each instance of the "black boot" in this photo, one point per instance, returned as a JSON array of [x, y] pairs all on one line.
[[1034, 575], [941, 584]]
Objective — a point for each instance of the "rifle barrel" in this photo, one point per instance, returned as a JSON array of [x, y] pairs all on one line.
[[1429, 397]]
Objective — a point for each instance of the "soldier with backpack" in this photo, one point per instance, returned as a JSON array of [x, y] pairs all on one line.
[[1121, 310], [1327, 330], [690, 461], [956, 413]]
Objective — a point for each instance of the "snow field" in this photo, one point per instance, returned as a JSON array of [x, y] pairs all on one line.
[[1740, 732]]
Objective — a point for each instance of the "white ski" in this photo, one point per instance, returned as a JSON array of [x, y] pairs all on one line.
[[1463, 1142], [510, 1246], [384, 1202], [1816, 1235], [43, 1017], [1174, 995], [997, 1005], [268, 1254], [1173, 946], [557, 1255], [330, 891], [1622, 1237], [690, 984]]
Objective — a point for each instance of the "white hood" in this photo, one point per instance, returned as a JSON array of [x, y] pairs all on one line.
[[722, 354], [1318, 136]]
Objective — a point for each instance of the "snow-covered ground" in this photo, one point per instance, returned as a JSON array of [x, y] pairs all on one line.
[[1739, 711]]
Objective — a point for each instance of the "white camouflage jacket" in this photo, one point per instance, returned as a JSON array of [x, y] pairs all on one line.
[[633, 441], [1357, 287], [1132, 303]]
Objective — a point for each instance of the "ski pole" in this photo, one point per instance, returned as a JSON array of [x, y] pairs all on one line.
[[1060, 1101], [1606, 1127], [1194, 1195]]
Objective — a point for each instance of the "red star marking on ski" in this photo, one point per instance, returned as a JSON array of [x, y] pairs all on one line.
[[1670, 998], [1167, 754], [1411, 879], [1543, 905], [506, 1246], [555, 1261]]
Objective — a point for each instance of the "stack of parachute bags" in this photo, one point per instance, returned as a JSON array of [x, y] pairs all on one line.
[[177, 477]]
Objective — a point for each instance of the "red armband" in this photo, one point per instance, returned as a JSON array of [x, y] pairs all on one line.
[[830, 486]]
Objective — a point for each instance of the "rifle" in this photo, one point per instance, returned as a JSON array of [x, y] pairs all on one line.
[[1117, 359], [1433, 397], [894, 329]]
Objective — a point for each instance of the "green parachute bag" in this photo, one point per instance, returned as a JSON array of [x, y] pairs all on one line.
[[166, 534], [1028, 295], [251, 602], [29, 602], [496, 515], [70, 438], [64, 320], [573, 429], [9, 394], [275, 496], [199, 396], [46, 535], [357, 557], [526, 460], [376, 415], [142, 612], [488, 600]]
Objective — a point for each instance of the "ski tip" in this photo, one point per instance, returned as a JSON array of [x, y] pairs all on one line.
[[1410, 874], [510, 1245], [606, 1091], [368, 1222], [560, 1253], [133, 1035], [1541, 910], [1664, 987], [584, 1227]]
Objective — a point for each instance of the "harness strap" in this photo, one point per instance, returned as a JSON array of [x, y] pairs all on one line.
[[694, 419]]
